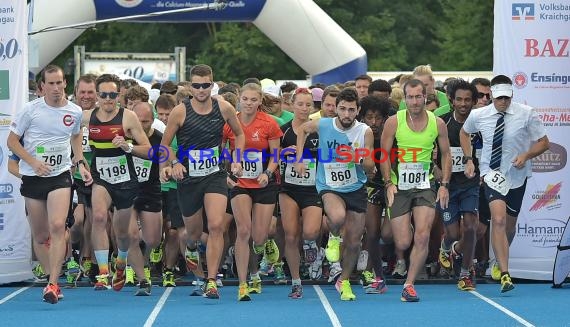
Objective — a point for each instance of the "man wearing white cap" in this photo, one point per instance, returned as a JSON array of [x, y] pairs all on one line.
[[513, 134]]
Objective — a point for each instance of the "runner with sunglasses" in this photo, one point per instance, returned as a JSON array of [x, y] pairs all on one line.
[[198, 125], [112, 131]]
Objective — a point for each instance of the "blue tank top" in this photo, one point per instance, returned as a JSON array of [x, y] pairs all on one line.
[[332, 174]]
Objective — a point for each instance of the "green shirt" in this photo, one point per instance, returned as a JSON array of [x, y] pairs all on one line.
[[164, 187], [407, 139], [444, 106]]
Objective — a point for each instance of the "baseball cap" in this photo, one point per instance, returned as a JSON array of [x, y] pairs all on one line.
[[273, 90], [502, 90]]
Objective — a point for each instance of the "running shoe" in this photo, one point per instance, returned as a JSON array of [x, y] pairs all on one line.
[[219, 278], [366, 278], [343, 287], [144, 288], [72, 272], [156, 254], [271, 251], [280, 278], [362, 260], [243, 292], [400, 270], [409, 294], [211, 291], [506, 283], [378, 286], [51, 293], [118, 281], [102, 282], [168, 279], [192, 259], [444, 258], [316, 268], [465, 283], [496, 272], [130, 276], [334, 272], [296, 292], [39, 274], [332, 251], [255, 286], [310, 252]]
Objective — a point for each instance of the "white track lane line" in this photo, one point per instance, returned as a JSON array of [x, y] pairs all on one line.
[[330, 312], [13, 294], [152, 317], [503, 309]]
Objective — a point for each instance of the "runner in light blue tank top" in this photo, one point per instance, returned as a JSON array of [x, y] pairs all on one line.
[[332, 174]]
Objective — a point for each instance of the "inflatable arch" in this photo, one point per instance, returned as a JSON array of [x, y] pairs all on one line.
[[299, 27]]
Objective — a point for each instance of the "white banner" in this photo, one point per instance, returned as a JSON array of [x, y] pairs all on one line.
[[532, 46], [15, 242], [150, 71]]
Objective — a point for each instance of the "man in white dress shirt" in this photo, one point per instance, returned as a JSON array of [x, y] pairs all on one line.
[[505, 173]]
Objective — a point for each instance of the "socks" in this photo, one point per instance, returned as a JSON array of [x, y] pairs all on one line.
[[296, 281], [102, 257], [122, 258]]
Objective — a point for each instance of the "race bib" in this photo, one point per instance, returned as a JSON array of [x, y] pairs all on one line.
[[413, 175], [85, 140], [54, 155], [498, 182], [203, 162], [142, 168], [457, 164], [308, 179], [339, 174], [113, 170], [252, 166]]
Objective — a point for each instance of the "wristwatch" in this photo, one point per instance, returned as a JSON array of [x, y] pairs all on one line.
[[467, 158], [444, 184], [269, 174], [174, 162], [130, 149]]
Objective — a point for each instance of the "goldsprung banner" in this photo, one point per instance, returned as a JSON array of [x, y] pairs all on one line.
[[15, 240], [532, 46]]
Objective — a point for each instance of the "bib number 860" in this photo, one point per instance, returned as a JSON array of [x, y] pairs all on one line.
[[340, 175]]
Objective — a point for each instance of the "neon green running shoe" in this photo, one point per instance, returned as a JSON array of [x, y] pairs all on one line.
[[332, 251]]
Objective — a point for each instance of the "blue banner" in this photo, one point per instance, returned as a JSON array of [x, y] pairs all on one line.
[[235, 11]]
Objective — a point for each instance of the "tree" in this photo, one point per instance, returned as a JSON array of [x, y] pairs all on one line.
[[466, 35]]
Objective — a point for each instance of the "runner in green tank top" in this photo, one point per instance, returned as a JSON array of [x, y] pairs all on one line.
[[410, 188]]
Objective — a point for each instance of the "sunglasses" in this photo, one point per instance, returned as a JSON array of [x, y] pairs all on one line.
[[503, 98], [111, 95], [480, 95], [198, 86]]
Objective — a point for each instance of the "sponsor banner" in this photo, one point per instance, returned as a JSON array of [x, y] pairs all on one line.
[[150, 71], [15, 241], [532, 46], [237, 10]]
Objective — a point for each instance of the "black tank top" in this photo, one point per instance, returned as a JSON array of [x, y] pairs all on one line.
[[311, 146], [109, 164], [147, 170], [453, 129], [200, 131]]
